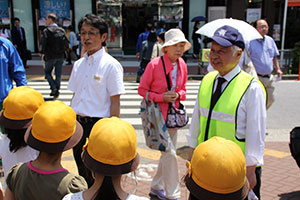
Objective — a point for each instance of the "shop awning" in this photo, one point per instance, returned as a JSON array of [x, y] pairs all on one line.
[[293, 3]]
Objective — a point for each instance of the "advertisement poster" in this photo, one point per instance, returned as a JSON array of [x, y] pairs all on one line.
[[253, 14], [276, 32], [61, 8], [4, 9]]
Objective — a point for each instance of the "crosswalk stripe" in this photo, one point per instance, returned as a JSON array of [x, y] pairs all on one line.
[[130, 101]]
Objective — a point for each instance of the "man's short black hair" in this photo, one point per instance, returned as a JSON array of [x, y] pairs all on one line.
[[95, 21], [255, 23], [16, 19]]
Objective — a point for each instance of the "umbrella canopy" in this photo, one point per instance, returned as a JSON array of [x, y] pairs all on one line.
[[248, 32], [199, 18]]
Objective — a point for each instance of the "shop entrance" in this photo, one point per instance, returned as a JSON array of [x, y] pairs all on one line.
[[135, 17]]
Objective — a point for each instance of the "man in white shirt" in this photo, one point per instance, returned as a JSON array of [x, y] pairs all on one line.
[[231, 104], [97, 83]]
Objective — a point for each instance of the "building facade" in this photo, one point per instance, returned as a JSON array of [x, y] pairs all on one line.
[[127, 18]]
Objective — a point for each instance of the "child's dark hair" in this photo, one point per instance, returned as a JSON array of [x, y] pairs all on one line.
[[107, 190], [161, 35], [16, 138]]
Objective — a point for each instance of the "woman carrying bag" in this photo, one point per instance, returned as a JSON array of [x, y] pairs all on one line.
[[165, 184]]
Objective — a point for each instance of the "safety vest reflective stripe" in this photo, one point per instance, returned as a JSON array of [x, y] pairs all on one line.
[[225, 117]]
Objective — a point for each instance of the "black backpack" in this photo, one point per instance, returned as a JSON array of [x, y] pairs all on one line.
[[295, 144], [57, 40]]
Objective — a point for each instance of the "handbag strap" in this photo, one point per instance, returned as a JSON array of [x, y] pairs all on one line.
[[147, 95], [167, 78]]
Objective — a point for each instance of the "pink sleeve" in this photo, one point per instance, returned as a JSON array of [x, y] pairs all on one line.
[[182, 90], [146, 82]]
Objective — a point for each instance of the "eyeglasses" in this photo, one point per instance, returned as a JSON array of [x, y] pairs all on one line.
[[90, 34]]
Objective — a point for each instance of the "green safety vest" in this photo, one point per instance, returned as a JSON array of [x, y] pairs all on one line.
[[223, 118]]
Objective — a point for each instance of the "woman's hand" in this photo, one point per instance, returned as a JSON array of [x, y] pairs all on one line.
[[170, 96]]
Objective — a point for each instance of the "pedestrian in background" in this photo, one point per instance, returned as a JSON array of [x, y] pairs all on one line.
[[142, 37], [158, 45], [146, 53], [225, 110], [45, 178], [12, 69], [217, 171], [263, 53], [18, 38], [196, 40], [54, 43], [73, 46], [115, 156], [18, 109], [165, 183], [161, 27], [96, 82]]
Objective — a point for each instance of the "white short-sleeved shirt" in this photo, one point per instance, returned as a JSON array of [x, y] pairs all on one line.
[[79, 196], [94, 79], [9, 159]]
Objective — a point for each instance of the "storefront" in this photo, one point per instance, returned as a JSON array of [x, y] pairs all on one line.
[[127, 19]]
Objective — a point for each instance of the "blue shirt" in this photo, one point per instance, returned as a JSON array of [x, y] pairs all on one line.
[[262, 53], [142, 37], [11, 68]]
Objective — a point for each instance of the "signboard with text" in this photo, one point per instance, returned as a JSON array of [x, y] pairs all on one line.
[[61, 8]]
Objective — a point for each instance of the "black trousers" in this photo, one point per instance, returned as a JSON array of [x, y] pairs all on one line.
[[87, 124], [256, 189]]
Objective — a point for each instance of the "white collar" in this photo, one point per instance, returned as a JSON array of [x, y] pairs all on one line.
[[97, 55], [230, 75]]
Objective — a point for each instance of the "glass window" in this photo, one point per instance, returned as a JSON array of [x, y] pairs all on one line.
[[22, 10], [111, 13]]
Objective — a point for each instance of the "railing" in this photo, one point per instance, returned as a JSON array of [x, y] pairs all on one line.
[[286, 62]]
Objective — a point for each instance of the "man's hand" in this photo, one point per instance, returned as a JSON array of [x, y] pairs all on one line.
[[191, 151], [40, 54], [137, 55], [250, 174], [279, 72]]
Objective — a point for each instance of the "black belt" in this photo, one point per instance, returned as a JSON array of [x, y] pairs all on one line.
[[86, 119], [264, 76]]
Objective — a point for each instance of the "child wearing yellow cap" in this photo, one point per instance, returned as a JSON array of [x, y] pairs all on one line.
[[54, 129], [109, 152], [217, 171], [18, 109]]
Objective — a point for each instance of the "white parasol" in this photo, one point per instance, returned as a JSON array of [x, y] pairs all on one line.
[[248, 32]]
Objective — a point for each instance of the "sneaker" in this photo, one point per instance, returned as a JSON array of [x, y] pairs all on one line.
[[158, 193]]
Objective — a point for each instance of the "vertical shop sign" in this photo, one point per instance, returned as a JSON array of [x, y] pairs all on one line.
[[61, 8]]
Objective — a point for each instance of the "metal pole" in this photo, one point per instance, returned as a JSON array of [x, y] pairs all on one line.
[[283, 33]]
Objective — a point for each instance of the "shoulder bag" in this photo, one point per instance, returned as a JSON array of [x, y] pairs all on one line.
[[176, 117], [154, 126]]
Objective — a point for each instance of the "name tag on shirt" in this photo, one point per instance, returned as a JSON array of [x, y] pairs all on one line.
[[97, 78]]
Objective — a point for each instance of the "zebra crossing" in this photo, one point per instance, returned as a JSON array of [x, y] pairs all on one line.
[[130, 102]]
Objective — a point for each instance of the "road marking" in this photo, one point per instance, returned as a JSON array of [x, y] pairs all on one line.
[[150, 154], [275, 153]]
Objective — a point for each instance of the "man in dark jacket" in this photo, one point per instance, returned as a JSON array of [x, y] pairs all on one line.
[[18, 38], [54, 42]]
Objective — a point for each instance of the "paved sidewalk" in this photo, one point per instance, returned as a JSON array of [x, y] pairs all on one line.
[[280, 174]]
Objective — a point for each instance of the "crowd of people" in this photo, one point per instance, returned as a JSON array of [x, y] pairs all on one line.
[[226, 135]]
